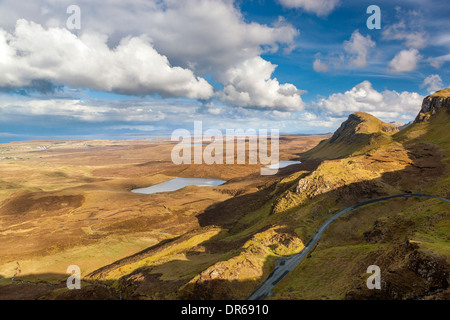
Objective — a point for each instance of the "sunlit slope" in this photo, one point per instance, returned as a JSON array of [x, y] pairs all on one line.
[[432, 129], [408, 237], [444, 93], [359, 133]]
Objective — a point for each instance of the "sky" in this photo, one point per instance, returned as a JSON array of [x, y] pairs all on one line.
[[140, 69]]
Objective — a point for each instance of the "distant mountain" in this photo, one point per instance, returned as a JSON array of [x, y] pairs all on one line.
[[361, 131], [397, 124], [405, 125]]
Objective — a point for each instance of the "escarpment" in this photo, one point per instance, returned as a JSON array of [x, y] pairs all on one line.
[[432, 104]]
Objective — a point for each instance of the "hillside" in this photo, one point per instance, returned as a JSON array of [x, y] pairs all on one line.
[[359, 133], [444, 93], [408, 239], [223, 243]]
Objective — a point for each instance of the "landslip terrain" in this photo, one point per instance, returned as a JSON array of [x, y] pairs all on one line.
[[69, 203]]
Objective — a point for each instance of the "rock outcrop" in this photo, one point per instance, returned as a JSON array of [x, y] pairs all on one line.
[[432, 104], [407, 273]]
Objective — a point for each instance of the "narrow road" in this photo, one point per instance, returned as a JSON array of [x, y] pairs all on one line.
[[288, 264]]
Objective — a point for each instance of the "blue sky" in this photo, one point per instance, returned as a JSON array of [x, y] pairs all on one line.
[[145, 68]]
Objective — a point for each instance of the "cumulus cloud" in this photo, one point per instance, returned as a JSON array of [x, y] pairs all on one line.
[[405, 61], [387, 105], [319, 7], [250, 84], [358, 47], [356, 53], [136, 114], [151, 114], [131, 48], [433, 83], [32, 53], [202, 35]]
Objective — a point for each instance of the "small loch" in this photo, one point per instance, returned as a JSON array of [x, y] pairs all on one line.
[[179, 183], [282, 164]]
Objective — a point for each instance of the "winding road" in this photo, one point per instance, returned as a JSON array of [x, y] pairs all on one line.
[[288, 264]]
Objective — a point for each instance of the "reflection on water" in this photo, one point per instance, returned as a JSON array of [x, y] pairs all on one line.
[[282, 164], [179, 183]]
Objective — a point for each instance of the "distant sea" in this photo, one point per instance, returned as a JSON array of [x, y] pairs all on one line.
[[8, 137]]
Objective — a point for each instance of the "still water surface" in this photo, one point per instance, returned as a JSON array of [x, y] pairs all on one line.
[[179, 183], [282, 164]]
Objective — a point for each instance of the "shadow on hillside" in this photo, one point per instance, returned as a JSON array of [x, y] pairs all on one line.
[[152, 287], [23, 289], [424, 167], [226, 213]]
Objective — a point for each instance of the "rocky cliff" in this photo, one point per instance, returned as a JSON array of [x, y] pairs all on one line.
[[432, 104]]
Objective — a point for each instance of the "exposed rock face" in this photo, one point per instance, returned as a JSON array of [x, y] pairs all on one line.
[[431, 105], [386, 230], [434, 269], [239, 276], [407, 273], [312, 186]]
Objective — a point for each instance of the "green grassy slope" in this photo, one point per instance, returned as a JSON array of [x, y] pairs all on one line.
[[398, 235]]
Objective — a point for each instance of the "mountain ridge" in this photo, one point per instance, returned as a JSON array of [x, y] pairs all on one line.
[[361, 131]]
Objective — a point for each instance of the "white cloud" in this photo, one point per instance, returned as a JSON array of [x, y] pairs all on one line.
[[387, 105], [405, 60], [324, 63], [320, 66], [183, 40], [323, 115], [358, 47], [400, 31], [202, 35], [319, 7], [56, 55], [251, 85], [437, 62], [433, 83], [132, 110]]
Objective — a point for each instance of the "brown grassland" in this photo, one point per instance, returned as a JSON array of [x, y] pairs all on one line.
[[69, 202]]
